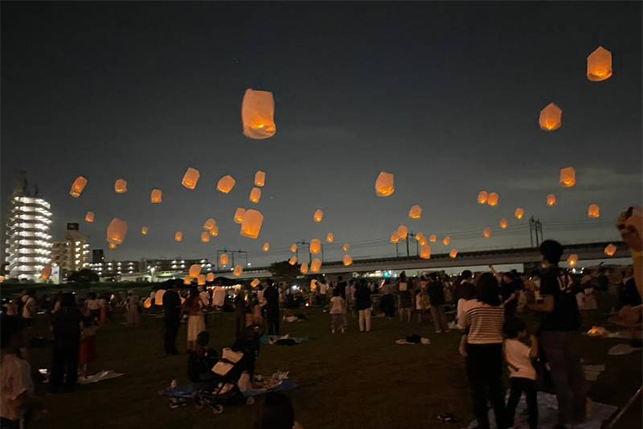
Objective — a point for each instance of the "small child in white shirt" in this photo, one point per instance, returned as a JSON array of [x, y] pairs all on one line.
[[337, 312], [522, 374]]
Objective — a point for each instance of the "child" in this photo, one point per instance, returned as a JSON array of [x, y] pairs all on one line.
[[522, 374], [421, 304], [87, 351], [201, 360], [337, 312]]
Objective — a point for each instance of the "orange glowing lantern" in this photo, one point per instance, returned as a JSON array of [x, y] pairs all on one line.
[[348, 260], [78, 186], [257, 114], [116, 231], [194, 270], [492, 199], [89, 217], [318, 215], [239, 214], [395, 237], [304, 268], [420, 238], [293, 248], [238, 269], [330, 237], [210, 277], [178, 236], [156, 196], [483, 196], [147, 304], [446, 241], [144, 230], [568, 177], [415, 212], [45, 274], [599, 65], [551, 200], [347, 247], [594, 211], [315, 265], [255, 282], [266, 247], [610, 250], [201, 280], [551, 118], [433, 238], [112, 246], [385, 184], [187, 281], [425, 251], [292, 260], [251, 225], [209, 224], [572, 260], [205, 237], [403, 232], [224, 259], [255, 195], [504, 223], [453, 253], [226, 183], [486, 233], [191, 178], [260, 178], [519, 213], [214, 232], [315, 246], [120, 186]]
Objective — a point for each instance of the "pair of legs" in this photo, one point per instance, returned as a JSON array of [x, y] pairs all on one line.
[[405, 314], [337, 322], [64, 367], [365, 320], [273, 322], [484, 371], [439, 318], [169, 339], [530, 388]]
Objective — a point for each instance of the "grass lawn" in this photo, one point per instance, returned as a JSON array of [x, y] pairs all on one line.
[[345, 381]]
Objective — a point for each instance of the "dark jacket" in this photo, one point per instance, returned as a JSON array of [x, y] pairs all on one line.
[[363, 297], [272, 299], [66, 327], [172, 304]]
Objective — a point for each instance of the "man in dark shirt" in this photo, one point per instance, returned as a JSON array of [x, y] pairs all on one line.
[[271, 296], [436, 300], [341, 285], [172, 309], [558, 328], [65, 324]]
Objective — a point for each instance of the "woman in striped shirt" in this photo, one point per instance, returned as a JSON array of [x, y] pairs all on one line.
[[482, 320]]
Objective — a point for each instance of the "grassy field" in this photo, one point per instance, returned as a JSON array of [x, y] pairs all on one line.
[[345, 381]]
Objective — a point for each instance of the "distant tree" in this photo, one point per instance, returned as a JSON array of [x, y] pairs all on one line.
[[83, 276], [284, 272]]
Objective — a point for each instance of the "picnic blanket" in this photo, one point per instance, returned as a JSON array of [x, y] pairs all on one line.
[[548, 414], [279, 340], [274, 383]]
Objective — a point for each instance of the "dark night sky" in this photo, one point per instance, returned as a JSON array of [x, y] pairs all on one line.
[[446, 96]]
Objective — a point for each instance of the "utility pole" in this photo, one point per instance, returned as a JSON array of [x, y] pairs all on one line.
[[535, 232]]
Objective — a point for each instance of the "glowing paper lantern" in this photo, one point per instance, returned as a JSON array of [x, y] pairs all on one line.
[[347, 247], [120, 186], [293, 248], [144, 230], [551, 118], [226, 183], [116, 231], [519, 213], [112, 246], [395, 237], [209, 224], [190, 178], [304, 268], [315, 265], [610, 250], [415, 212], [483, 196], [195, 270], [504, 223], [238, 269], [330, 237], [599, 65], [292, 260], [78, 186], [594, 211], [178, 236], [45, 274], [492, 199], [425, 251], [223, 259], [568, 177], [89, 217], [205, 237], [266, 247], [187, 281], [255, 282], [433, 238], [486, 233], [385, 184], [403, 232], [318, 216], [260, 178], [572, 260], [239, 214], [446, 241], [214, 232], [210, 277], [257, 114], [315, 246], [551, 200], [453, 253], [348, 260], [201, 280], [255, 195], [156, 196], [251, 225], [147, 304], [420, 238]]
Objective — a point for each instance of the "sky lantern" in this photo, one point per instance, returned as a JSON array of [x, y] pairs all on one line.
[[251, 225], [195, 270], [260, 178], [330, 237], [187, 281], [568, 177], [572, 260], [551, 118], [425, 251], [385, 184], [178, 236], [225, 184], [210, 277], [315, 265], [120, 186], [492, 199], [315, 246], [116, 231], [209, 224], [147, 304], [239, 214], [403, 232], [45, 273], [144, 230], [292, 260], [446, 240], [395, 237], [599, 65], [201, 280], [421, 238], [156, 196], [238, 269], [293, 248], [483, 196], [112, 246], [453, 253], [266, 247], [610, 250], [519, 213], [504, 223], [347, 247], [486, 233], [89, 217], [594, 211], [223, 259], [257, 114], [191, 178], [304, 268], [78, 186], [415, 212], [255, 195], [205, 237], [348, 260], [318, 215], [255, 282], [433, 238], [551, 200]]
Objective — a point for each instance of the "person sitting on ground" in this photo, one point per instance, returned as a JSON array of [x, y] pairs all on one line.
[[337, 311], [276, 412], [201, 360]]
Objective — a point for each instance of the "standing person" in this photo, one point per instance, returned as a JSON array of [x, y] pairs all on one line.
[[196, 322], [422, 304], [272, 308], [558, 329], [104, 310], [337, 311], [341, 285], [404, 299], [239, 312], [92, 306], [363, 302], [436, 300], [483, 317], [172, 310], [133, 309], [88, 351], [65, 324], [29, 308], [464, 283], [387, 305]]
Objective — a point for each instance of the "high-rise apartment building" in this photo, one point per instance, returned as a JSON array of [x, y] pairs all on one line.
[[72, 254]]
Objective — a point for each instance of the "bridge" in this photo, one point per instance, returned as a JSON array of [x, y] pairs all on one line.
[[527, 255]]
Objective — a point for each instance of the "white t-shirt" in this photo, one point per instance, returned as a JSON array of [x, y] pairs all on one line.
[[518, 360], [15, 379], [337, 305]]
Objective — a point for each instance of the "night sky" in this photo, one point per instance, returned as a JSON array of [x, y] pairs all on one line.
[[445, 96]]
